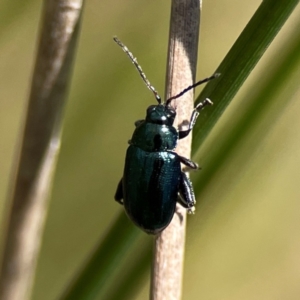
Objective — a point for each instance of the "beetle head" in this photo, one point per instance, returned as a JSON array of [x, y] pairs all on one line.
[[161, 114]]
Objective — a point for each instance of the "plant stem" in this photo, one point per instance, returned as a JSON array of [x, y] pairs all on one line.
[[246, 52], [167, 269], [40, 145]]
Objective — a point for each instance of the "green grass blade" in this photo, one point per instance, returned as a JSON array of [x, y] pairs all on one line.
[[261, 103], [104, 262], [130, 280], [238, 63]]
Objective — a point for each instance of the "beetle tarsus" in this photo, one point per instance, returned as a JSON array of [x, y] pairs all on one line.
[[191, 210], [194, 116]]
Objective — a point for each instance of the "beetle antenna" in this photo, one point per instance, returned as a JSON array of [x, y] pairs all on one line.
[[138, 67], [216, 75]]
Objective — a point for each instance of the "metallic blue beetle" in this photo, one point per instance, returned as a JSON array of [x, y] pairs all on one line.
[[153, 182]]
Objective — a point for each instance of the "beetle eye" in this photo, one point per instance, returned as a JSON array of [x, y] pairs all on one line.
[[151, 109], [171, 113], [156, 114]]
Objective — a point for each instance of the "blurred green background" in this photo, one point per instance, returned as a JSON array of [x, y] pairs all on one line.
[[243, 241]]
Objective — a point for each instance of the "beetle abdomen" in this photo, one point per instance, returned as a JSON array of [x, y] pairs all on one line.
[[150, 187]]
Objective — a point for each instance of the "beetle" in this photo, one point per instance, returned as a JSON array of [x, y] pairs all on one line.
[[152, 181]]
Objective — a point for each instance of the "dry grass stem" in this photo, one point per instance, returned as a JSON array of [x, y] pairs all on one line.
[[39, 147], [181, 70]]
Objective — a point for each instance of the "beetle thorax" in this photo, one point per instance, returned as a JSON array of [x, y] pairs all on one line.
[[156, 133]]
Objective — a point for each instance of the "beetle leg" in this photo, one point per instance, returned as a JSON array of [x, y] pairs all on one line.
[[187, 162], [119, 192], [138, 122], [188, 169], [194, 116], [182, 202], [186, 194]]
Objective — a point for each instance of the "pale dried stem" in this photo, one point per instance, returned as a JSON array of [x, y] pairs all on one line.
[[166, 281], [39, 147]]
